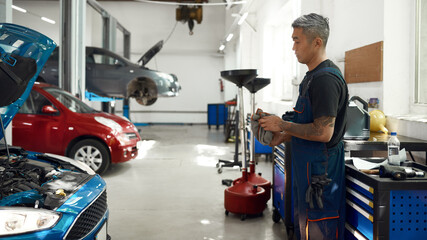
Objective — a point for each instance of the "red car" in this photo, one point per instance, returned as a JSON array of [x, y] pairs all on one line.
[[54, 121]]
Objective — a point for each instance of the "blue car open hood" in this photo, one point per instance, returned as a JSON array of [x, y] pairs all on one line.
[[20, 48]]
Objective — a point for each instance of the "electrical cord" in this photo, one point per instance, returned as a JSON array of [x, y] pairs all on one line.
[[165, 41], [173, 29]]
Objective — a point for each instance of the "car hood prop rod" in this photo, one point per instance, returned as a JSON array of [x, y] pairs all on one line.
[[5, 143]]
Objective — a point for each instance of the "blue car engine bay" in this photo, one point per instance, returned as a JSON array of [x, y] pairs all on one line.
[[55, 191], [34, 183], [42, 195]]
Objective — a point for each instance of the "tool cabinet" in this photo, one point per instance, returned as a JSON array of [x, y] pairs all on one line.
[[217, 114], [283, 207], [382, 208]]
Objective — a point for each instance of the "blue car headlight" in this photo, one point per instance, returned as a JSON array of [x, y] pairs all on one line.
[[18, 220]]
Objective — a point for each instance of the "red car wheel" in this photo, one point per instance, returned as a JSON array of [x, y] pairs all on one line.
[[93, 153]]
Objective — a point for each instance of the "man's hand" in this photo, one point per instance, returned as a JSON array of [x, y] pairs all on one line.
[[278, 138], [271, 123]]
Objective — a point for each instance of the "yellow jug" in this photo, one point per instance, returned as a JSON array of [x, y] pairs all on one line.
[[378, 121]]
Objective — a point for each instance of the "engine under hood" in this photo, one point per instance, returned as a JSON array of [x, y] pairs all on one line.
[[37, 180]]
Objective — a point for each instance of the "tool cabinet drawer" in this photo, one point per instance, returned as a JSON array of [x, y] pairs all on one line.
[[279, 188], [279, 154], [382, 208], [283, 206]]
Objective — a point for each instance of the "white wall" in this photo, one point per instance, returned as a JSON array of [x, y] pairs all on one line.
[[48, 9], [352, 24], [399, 55], [192, 58], [355, 24]]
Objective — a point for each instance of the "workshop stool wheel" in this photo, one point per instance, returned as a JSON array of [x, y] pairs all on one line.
[[276, 216]]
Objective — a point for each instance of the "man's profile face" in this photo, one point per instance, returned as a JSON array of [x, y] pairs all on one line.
[[303, 47]]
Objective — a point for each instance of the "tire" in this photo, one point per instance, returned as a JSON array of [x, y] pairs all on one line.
[[93, 153], [144, 90]]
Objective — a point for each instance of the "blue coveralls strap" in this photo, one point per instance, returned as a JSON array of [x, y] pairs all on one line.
[[319, 212]]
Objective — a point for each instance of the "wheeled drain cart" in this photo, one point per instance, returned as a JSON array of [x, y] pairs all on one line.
[[254, 86], [283, 206], [382, 208], [243, 198]]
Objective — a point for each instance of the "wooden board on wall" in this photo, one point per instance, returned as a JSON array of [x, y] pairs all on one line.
[[364, 64]]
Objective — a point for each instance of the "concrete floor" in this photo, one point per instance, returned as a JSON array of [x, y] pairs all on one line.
[[173, 191]]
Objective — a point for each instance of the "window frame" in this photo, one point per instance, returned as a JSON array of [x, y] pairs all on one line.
[[417, 91]]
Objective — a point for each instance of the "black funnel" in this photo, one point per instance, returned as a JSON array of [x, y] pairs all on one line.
[[239, 77], [257, 84]]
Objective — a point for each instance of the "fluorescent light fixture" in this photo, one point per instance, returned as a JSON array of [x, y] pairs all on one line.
[[19, 9], [229, 37], [242, 18], [48, 20], [221, 47]]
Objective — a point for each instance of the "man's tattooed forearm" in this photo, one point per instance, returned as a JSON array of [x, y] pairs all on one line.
[[306, 131], [327, 121]]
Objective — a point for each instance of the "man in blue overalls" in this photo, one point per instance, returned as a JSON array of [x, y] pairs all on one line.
[[316, 134]]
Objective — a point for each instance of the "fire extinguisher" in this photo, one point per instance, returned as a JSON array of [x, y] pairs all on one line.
[[221, 85]]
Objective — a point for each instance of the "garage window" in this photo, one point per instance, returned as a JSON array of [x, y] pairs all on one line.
[[421, 54], [279, 61]]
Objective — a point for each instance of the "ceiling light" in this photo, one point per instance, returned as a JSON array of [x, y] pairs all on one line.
[[19, 9], [48, 20], [179, 3], [229, 37], [221, 47], [242, 18]]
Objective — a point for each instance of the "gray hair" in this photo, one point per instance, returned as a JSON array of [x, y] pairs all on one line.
[[313, 25]]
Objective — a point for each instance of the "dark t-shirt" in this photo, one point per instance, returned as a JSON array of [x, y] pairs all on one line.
[[329, 97]]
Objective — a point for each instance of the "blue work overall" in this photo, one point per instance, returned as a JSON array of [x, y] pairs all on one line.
[[310, 158]]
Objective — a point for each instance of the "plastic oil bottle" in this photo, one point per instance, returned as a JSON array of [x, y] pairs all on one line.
[[393, 147]]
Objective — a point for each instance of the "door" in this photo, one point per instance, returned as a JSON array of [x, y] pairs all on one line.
[[35, 130], [106, 74]]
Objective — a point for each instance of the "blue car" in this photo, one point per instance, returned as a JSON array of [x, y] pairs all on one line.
[[42, 196]]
